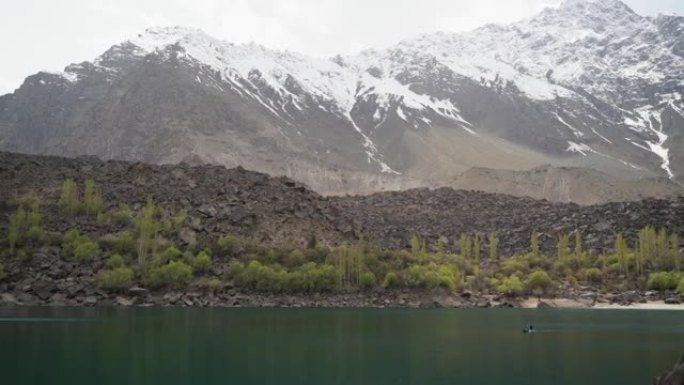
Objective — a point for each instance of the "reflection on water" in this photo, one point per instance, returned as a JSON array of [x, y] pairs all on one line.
[[327, 346]]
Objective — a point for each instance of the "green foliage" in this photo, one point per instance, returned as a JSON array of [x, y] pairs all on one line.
[[122, 215], [295, 258], [209, 284], [680, 286], [367, 280], [466, 246], [511, 286], [563, 244], [79, 247], [493, 246], [115, 261], [415, 245], [664, 281], [175, 275], [579, 253], [69, 200], [24, 228], [391, 280], [92, 198], [309, 277], [538, 281], [592, 274], [171, 253], [146, 229], [2, 272], [201, 263], [622, 253], [514, 265], [534, 243], [432, 276], [179, 219], [119, 278], [674, 252], [123, 243], [86, 251], [228, 243], [311, 242]]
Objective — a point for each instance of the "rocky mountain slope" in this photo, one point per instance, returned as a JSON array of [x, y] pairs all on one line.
[[279, 211], [588, 84]]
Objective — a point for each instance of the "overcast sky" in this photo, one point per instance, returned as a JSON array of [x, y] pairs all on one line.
[[49, 34]]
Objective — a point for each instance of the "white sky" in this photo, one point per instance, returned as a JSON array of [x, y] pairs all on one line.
[[50, 34]]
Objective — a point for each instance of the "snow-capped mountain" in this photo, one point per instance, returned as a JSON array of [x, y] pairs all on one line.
[[587, 84]]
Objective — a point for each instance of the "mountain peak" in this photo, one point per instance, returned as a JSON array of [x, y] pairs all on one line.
[[604, 5]]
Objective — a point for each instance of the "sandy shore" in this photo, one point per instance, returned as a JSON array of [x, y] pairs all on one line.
[[564, 303]]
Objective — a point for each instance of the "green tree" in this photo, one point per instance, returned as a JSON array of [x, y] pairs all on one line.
[[69, 200], [493, 246], [147, 229], [92, 198], [563, 242], [534, 243], [476, 254], [621, 252], [674, 252], [579, 253]]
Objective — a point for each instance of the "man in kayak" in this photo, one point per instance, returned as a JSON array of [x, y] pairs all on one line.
[[530, 329]]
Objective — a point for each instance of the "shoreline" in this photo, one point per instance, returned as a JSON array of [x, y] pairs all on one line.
[[140, 297]]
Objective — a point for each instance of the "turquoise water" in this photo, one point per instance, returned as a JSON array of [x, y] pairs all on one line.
[[336, 346]]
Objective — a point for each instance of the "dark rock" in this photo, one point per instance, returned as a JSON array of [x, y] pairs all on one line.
[[673, 300], [137, 291], [673, 377]]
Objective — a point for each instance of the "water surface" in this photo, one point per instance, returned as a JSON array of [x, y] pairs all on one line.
[[336, 346]]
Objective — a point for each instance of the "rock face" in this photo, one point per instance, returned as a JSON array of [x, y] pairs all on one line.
[[588, 84], [673, 377], [278, 210]]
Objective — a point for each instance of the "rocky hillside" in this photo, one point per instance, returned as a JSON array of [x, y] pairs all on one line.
[[276, 211], [587, 84]]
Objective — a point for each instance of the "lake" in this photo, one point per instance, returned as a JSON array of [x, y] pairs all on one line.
[[336, 346]]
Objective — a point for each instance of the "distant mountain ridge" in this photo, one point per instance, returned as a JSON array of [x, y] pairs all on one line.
[[588, 84]]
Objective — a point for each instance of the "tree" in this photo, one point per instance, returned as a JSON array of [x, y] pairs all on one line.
[[621, 251], [493, 246], [147, 229], [476, 254], [578, 245], [674, 252], [563, 247], [465, 244], [534, 243], [68, 199], [92, 198], [415, 245]]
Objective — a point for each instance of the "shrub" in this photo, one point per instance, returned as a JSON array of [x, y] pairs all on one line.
[[663, 281], [234, 270], [115, 261], [179, 219], [123, 243], [538, 281], [295, 258], [92, 198], [514, 265], [122, 215], [119, 278], [209, 284], [69, 197], [170, 254], [86, 251], [592, 275], [202, 262], [511, 286], [391, 279], [367, 280], [228, 243], [36, 234], [680, 287], [175, 274]]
